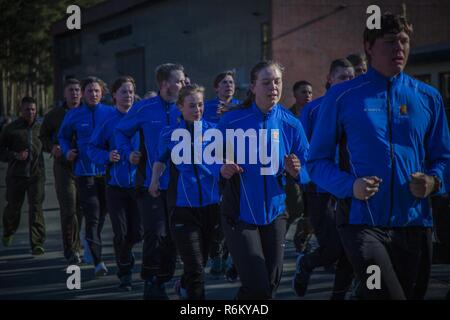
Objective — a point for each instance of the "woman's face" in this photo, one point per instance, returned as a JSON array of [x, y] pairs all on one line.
[[92, 93], [225, 88], [124, 96], [192, 107], [267, 87]]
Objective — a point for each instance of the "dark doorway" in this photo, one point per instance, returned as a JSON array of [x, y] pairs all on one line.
[[132, 63]]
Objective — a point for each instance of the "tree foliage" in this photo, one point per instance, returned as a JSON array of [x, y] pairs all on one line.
[[26, 46]]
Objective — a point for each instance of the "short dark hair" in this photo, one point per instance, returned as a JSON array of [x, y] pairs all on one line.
[[222, 75], [118, 83], [390, 23], [164, 71], [121, 80], [340, 63], [27, 100], [356, 58], [300, 83], [91, 79], [71, 81]]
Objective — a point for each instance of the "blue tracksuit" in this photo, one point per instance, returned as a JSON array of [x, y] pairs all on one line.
[[393, 127], [255, 198], [191, 184], [308, 116], [122, 173], [147, 117], [211, 106], [81, 122]]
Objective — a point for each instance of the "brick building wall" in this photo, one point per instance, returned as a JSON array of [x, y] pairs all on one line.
[[308, 35]]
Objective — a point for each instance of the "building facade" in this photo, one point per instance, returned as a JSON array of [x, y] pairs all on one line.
[[132, 38], [207, 37]]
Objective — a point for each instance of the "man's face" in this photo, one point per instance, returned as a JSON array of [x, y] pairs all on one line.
[[28, 112], [92, 94], [360, 68], [171, 87], [303, 95], [225, 88], [340, 74], [72, 94], [389, 54], [124, 96]]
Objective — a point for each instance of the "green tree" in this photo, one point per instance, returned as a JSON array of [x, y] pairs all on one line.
[[26, 49]]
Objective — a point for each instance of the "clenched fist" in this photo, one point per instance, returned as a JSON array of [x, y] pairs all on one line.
[[366, 187], [292, 164]]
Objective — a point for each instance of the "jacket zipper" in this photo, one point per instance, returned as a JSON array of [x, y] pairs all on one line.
[[264, 176], [199, 187], [391, 146], [166, 106], [30, 149], [93, 128]]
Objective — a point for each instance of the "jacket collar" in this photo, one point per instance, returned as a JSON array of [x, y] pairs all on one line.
[[269, 114], [379, 78]]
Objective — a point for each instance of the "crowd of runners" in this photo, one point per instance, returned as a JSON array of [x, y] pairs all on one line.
[[362, 169]]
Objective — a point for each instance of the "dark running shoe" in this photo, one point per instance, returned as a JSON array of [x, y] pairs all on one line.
[[125, 282], [7, 241], [216, 267], [180, 290], [74, 259], [231, 274], [154, 291], [301, 278], [37, 251]]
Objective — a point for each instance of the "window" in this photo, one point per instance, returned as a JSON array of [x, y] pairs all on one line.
[[424, 77], [444, 87], [265, 45]]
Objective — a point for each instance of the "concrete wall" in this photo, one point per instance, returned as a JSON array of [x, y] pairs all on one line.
[[205, 36], [308, 51]]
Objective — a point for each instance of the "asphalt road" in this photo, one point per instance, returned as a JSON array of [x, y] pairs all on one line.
[[23, 276]]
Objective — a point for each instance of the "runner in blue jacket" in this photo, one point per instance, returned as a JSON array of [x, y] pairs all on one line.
[[193, 194], [224, 85], [398, 146], [148, 118], [319, 205], [120, 180], [253, 196], [81, 122]]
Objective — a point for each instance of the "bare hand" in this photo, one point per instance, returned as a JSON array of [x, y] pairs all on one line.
[[229, 169], [72, 155], [292, 165], [153, 189], [221, 109], [22, 155], [421, 185], [114, 156], [366, 187], [56, 151], [135, 157]]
